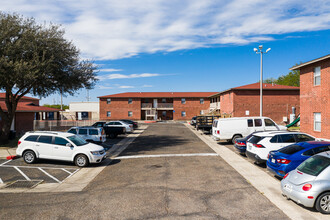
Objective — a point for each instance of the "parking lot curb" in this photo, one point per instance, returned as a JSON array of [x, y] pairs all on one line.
[[259, 179]]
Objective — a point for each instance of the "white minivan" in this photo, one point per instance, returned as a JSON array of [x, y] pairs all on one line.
[[232, 128]]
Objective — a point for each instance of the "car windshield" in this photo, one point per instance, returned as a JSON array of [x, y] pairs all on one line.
[[314, 165], [78, 141], [291, 149]]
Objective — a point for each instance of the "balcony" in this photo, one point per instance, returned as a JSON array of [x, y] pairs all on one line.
[[164, 106], [215, 105], [146, 105]]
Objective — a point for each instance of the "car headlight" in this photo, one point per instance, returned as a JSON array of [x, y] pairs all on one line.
[[95, 152]]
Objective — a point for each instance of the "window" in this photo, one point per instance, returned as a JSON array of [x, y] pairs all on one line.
[[275, 139], [201, 112], [201, 101], [286, 138], [93, 132], [60, 141], [269, 122], [317, 76], [117, 123], [77, 140], [291, 149], [317, 121], [164, 113], [183, 101], [82, 131], [163, 100], [314, 165], [183, 114], [110, 123], [72, 131], [255, 139], [31, 138], [130, 101], [45, 139], [130, 113], [250, 122], [108, 101], [304, 137], [108, 114], [257, 122]]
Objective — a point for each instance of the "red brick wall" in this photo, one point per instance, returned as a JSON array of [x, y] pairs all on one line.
[[276, 103], [119, 108], [315, 99], [226, 103], [192, 107], [24, 122]]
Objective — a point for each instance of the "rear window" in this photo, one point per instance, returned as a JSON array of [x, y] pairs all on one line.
[[45, 139], [93, 132], [291, 149], [255, 139], [314, 165], [31, 138]]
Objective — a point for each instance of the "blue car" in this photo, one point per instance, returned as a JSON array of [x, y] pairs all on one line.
[[240, 143], [282, 161]]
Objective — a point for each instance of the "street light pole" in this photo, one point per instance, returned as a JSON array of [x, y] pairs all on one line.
[[260, 52]]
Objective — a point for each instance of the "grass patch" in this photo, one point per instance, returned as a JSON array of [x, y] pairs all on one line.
[[11, 143], [294, 128]]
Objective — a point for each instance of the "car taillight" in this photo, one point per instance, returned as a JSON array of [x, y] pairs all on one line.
[[218, 132], [240, 143], [100, 138], [258, 145], [307, 187], [268, 156], [283, 161], [19, 142], [285, 175]]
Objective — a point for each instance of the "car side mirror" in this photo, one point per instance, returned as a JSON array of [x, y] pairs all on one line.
[[68, 145]]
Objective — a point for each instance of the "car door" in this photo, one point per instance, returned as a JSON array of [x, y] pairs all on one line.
[[285, 140], [270, 125], [83, 133], [61, 151], [44, 147]]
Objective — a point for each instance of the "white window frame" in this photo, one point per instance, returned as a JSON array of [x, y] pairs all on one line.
[[183, 101], [317, 120], [108, 101], [201, 101], [108, 114], [317, 75], [130, 113], [130, 101], [201, 112], [183, 114]]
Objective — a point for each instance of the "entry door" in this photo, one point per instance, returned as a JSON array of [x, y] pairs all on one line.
[[155, 103]]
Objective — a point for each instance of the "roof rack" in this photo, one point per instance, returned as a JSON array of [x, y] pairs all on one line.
[[46, 132]]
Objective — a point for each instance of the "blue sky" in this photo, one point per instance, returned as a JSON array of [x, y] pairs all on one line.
[[184, 45]]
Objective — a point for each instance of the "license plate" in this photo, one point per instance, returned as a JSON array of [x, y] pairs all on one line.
[[288, 187], [273, 160]]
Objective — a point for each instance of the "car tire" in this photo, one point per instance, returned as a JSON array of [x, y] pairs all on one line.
[[235, 137], [112, 136], [29, 157], [322, 203], [81, 160]]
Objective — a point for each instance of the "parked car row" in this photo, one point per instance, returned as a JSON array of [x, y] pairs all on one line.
[[298, 158]]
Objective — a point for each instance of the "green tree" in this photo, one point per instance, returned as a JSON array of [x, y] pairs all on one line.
[[57, 106], [290, 79], [36, 59]]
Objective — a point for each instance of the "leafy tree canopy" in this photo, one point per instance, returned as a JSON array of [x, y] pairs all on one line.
[[57, 106], [36, 59], [290, 79]]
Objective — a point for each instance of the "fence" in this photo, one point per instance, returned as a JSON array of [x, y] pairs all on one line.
[[59, 125]]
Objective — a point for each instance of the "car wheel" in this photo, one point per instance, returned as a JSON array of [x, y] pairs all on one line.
[[81, 160], [235, 137], [29, 157], [323, 203], [112, 135]]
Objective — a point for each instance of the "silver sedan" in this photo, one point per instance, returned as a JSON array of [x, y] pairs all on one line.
[[309, 184]]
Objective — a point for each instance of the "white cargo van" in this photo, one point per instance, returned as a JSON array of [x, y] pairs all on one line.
[[232, 128]]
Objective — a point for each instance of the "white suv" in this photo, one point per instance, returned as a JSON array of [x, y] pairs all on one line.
[[90, 134], [59, 146], [260, 144]]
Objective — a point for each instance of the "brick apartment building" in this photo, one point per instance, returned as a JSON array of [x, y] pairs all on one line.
[[154, 105], [242, 101], [315, 97], [27, 111]]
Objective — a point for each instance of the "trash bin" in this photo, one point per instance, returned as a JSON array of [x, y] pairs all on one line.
[[12, 135]]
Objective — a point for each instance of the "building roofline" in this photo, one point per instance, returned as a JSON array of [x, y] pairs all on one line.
[[159, 95], [310, 62]]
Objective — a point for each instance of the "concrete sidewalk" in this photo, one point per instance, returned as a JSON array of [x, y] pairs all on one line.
[[5, 152]]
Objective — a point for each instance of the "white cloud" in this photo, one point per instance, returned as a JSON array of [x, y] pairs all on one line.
[[130, 76], [116, 86], [112, 29], [147, 86], [126, 87], [110, 70]]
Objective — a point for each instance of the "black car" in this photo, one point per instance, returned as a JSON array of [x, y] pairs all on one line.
[[135, 124]]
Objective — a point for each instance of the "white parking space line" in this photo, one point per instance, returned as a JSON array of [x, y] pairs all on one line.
[[1, 181], [71, 174], [169, 155], [49, 175], [23, 174], [5, 162], [55, 168], [66, 171]]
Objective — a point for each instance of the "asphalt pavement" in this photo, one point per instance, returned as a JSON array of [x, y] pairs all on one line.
[[166, 173]]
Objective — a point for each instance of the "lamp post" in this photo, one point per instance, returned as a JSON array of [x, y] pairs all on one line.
[[260, 52]]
